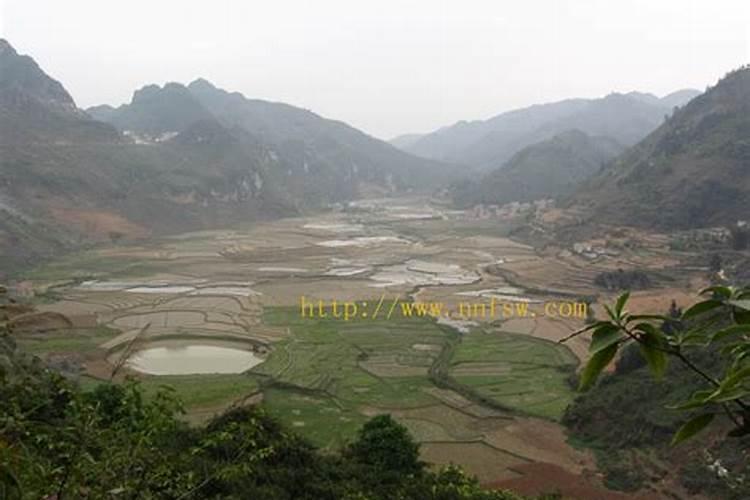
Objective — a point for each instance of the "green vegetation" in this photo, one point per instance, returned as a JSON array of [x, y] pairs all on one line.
[[635, 422], [322, 376], [321, 379], [85, 265], [632, 279], [684, 174], [551, 168], [518, 372], [57, 440], [202, 391], [78, 340], [721, 322]]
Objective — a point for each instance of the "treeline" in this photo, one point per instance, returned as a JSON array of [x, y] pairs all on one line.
[[631, 279]]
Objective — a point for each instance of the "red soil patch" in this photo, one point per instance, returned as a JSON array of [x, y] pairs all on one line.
[[540, 477]]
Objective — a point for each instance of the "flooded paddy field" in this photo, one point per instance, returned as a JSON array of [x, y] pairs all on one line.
[[217, 315]]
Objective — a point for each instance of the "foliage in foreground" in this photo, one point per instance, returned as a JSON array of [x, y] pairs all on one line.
[[58, 442], [705, 347], [720, 323]]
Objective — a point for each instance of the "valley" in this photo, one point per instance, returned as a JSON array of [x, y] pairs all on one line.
[[207, 294], [487, 393]]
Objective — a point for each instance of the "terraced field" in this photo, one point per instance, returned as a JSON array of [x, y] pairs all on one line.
[[483, 393], [521, 373]]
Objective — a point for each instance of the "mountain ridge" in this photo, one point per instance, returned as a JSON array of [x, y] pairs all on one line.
[[67, 179], [486, 144], [551, 168], [689, 172]]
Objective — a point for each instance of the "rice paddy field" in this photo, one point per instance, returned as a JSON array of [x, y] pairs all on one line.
[[483, 392]]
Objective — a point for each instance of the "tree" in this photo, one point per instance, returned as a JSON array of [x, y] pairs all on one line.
[[721, 322], [387, 445]]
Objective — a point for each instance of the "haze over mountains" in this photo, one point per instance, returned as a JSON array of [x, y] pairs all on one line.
[[487, 144], [176, 158], [180, 157], [552, 168], [690, 172]]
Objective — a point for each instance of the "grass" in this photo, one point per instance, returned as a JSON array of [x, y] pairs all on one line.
[[202, 391], [78, 340], [536, 374], [321, 366], [89, 264], [321, 419]]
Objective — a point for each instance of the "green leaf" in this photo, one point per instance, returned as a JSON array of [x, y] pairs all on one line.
[[610, 312], [693, 337], [736, 377], [701, 307], [9, 485], [698, 399], [647, 328], [723, 291], [692, 427], [723, 395], [656, 359], [595, 365], [621, 301], [604, 337], [732, 330], [586, 328]]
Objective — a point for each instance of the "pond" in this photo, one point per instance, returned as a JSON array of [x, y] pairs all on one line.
[[192, 359]]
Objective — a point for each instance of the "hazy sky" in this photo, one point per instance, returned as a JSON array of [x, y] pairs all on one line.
[[385, 66]]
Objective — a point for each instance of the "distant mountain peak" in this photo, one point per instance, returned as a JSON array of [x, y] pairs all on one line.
[[22, 75], [486, 144], [551, 168], [690, 172], [34, 107], [6, 48], [644, 97], [145, 92], [201, 84]]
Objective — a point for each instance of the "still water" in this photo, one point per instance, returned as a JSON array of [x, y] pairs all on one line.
[[191, 359]]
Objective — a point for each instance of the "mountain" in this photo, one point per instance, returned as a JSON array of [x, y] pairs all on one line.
[[692, 171], [552, 168], [405, 140], [154, 111], [487, 144], [175, 159], [36, 108], [317, 148]]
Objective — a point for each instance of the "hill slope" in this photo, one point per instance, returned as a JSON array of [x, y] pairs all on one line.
[[627, 118], [191, 158], [37, 108], [552, 168], [692, 171], [316, 148]]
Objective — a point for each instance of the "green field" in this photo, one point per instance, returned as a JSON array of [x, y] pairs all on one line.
[[535, 372], [329, 372], [88, 265], [78, 340], [330, 375]]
